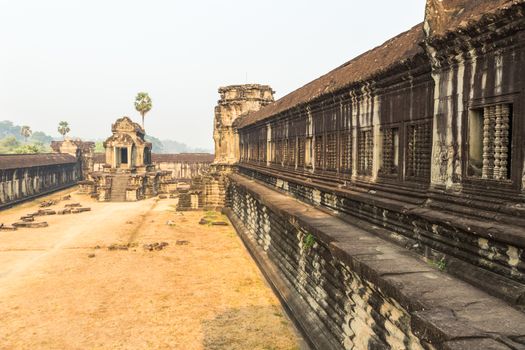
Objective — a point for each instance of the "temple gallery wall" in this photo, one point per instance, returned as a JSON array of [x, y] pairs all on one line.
[[384, 201]]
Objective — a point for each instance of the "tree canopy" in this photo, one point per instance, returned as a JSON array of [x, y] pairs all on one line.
[[143, 104], [63, 128]]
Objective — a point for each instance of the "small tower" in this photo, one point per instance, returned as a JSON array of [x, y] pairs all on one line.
[[126, 149], [235, 101]]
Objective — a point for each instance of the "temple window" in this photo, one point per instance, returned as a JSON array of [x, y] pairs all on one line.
[[291, 151], [345, 152], [319, 152], [489, 142], [365, 152], [285, 151], [390, 152], [300, 151], [271, 145], [331, 151], [262, 151], [418, 150], [279, 151]]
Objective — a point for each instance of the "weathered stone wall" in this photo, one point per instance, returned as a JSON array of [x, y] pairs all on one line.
[[349, 289], [429, 150], [418, 142], [354, 313], [235, 101], [183, 170], [477, 133], [473, 248], [27, 176]]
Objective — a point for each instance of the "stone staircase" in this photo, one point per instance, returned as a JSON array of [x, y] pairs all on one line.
[[119, 184]]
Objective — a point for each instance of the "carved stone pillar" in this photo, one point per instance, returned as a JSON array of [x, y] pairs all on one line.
[[488, 137], [504, 144]]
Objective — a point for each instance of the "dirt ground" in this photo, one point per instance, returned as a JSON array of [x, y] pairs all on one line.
[[62, 288]]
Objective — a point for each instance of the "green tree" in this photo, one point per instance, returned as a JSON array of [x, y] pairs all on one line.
[[26, 132], [8, 144], [143, 104], [39, 136], [63, 128], [34, 148], [99, 147]]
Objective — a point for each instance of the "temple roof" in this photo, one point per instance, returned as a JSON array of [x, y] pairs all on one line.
[[13, 161], [393, 52], [445, 16]]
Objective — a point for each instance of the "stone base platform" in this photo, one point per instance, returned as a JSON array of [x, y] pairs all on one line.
[[347, 288]]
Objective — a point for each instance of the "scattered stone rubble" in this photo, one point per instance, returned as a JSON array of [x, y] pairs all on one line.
[[155, 246], [48, 203], [28, 221], [122, 246]]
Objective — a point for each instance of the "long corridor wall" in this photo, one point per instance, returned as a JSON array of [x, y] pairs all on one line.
[[27, 176]]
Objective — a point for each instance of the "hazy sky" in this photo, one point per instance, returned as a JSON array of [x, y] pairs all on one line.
[[84, 61]]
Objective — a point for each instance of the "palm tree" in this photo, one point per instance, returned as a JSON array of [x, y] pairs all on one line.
[[143, 104], [26, 132], [63, 128]]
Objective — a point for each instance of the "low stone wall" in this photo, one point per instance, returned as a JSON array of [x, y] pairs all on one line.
[[27, 176], [183, 166], [349, 289], [478, 246]]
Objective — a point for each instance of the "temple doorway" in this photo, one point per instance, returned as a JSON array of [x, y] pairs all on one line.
[[124, 155]]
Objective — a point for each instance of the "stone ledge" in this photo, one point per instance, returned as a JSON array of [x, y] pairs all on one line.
[[486, 267], [317, 335], [445, 311]]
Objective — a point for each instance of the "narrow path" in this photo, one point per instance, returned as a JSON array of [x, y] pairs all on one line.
[[62, 288]]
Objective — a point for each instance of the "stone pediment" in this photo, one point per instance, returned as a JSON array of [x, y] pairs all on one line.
[[125, 124], [120, 138]]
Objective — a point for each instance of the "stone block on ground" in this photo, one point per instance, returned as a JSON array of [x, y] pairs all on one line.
[[4, 227], [43, 212], [73, 205], [47, 203], [219, 223], [79, 210], [30, 224]]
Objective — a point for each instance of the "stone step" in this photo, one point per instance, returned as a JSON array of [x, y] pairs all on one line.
[[119, 185]]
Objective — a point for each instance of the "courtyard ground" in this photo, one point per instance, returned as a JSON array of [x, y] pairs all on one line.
[[61, 287]]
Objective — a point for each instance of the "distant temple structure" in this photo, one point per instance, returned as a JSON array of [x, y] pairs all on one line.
[[127, 174], [126, 149], [235, 101]]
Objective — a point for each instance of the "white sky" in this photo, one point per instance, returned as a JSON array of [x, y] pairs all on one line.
[[84, 61]]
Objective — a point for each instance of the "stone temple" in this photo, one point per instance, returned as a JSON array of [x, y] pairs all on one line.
[[126, 149], [128, 173], [384, 201]]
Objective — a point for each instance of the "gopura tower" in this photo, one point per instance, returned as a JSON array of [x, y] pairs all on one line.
[[235, 101]]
